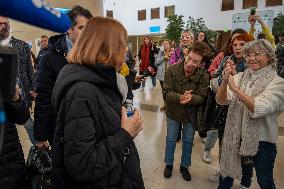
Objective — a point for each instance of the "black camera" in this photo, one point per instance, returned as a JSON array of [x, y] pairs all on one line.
[[252, 11], [8, 72]]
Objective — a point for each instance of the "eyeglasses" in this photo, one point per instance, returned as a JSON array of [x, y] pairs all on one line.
[[186, 37], [4, 23], [255, 55]]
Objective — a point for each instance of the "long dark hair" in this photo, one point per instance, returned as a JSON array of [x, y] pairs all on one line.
[[205, 37]]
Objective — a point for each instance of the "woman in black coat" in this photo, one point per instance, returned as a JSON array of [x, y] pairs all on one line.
[[12, 162], [93, 143]]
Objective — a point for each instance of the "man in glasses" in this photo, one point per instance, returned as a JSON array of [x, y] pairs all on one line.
[[25, 77], [185, 86], [186, 40]]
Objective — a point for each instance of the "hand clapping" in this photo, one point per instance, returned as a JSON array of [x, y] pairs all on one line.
[[186, 97]]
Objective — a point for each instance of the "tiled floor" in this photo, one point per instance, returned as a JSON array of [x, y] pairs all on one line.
[[151, 144]]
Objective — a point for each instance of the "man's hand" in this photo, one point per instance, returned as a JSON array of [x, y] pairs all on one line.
[[251, 20], [139, 79], [33, 94], [17, 94], [43, 145], [186, 97], [258, 19]]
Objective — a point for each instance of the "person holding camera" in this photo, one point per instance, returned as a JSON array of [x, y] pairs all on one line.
[[265, 34], [26, 75], [185, 85], [93, 142], [146, 56], [12, 162]]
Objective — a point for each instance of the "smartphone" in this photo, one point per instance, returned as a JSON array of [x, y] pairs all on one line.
[[252, 11]]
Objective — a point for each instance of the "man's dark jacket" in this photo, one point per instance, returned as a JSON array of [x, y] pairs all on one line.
[[176, 83], [89, 143], [49, 67], [26, 77]]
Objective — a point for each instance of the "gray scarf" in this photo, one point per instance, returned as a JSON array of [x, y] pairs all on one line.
[[122, 86], [241, 136]]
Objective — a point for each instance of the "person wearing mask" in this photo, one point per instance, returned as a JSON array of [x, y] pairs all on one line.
[[255, 98], [185, 85], [265, 34], [146, 56], [25, 76], [12, 162], [48, 69], [93, 142], [238, 62], [280, 55]]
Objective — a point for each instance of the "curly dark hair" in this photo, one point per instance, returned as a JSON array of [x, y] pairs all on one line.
[[202, 49], [78, 11]]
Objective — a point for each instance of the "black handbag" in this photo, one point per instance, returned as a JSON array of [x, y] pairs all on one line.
[[199, 113], [39, 167]]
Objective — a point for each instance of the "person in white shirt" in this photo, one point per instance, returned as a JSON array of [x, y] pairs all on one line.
[[255, 98]]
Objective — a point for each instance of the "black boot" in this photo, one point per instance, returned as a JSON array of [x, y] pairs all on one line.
[[168, 171], [185, 173]]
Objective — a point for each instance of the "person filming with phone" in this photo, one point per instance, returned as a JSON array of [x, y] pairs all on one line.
[[266, 33]]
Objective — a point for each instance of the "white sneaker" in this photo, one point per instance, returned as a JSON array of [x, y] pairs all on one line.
[[215, 176], [204, 139], [206, 157], [243, 187]]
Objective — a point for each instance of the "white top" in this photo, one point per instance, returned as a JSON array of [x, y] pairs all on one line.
[[267, 105]]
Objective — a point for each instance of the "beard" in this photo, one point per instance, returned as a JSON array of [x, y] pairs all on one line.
[[4, 33]]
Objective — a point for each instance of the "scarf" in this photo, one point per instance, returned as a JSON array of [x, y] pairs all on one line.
[[122, 86], [145, 57], [241, 137]]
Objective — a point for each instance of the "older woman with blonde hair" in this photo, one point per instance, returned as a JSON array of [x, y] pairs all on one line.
[[255, 98], [93, 142]]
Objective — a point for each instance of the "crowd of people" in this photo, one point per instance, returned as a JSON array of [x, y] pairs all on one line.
[[81, 80]]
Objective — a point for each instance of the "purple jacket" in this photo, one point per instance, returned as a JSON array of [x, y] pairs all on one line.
[[176, 56]]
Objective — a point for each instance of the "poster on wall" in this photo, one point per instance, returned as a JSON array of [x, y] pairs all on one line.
[[240, 20]]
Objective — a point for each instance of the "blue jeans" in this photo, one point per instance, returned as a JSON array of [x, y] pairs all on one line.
[[263, 163], [187, 142], [154, 81], [29, 126], [212, 137]]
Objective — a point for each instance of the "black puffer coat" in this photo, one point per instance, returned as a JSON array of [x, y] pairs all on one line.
[[12, 162], [49, 67], [89, 143]]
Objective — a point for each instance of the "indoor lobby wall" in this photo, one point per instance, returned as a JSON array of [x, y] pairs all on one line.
[[30, 33]]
